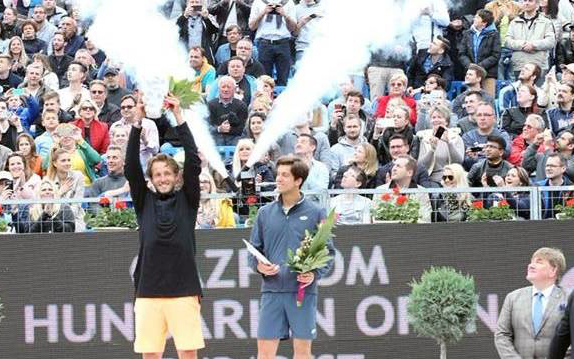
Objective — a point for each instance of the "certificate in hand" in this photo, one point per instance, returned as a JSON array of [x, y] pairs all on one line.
[[256, 253]]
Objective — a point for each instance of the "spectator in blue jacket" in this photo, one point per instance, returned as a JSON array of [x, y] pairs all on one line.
[[560, 118], [555, 169], [434, 60], [26, 107], [481, 45]]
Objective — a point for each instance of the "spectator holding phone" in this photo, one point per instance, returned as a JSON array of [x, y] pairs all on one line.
[[354, 102], [439, 146], [385, 129], [307, 13], [24, 180], [197, 29], [483, 172]]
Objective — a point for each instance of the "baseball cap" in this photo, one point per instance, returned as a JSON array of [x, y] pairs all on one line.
[[111, 71]]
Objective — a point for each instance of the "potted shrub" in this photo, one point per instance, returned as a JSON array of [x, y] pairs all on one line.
[[565, 211], [500, 212], [113, 218], [395, 208]]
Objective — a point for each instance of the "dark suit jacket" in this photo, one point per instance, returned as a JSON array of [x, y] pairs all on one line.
[[209, 31], [563, 336]]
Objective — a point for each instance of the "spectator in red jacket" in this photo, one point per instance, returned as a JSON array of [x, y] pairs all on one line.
[[533, 128], [94, 131], [397, 87]]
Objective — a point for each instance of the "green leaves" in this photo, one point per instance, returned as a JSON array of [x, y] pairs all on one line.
[[183, 91], [442, 304], [107, 217]]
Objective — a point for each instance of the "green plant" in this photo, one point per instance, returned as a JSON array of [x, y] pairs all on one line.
[[441, 305], [396, 207], [119, 216], [3, 225], [500, 212], [183, 91], [566, 211]]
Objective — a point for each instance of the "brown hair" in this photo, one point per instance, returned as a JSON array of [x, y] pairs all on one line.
[[27, 171], [298, 168], [554, 256], [169, 161]]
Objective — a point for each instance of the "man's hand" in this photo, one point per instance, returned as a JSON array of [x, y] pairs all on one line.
[[225, 127], [539, 139], [456, 24], [306, 278], [472, 154], [188, 12], [174, 106], [268, 9], [267, 269], [280, 10]]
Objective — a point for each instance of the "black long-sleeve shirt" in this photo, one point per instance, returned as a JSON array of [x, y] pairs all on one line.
[[166, 262]]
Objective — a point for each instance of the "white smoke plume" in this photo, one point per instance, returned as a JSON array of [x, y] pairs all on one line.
[[342, 43]]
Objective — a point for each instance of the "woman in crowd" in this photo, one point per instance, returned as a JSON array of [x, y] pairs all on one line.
[[352, 208], [397, 88], [266, 85], [68, 181], [253, 129], [400, 116], [518, 201], [433, 82], [10, 24], [261, 103], [84, 158], [242, 153], [26, 146], [19, 57], [32, 44], [24, 180], [49, 77], [365, 158], [50, 217], [513, 118], [452, 207], [213, 213], [438, 146]]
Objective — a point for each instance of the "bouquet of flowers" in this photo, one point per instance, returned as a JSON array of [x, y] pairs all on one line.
[[183, 91], [565, 211], [396, 207], [499, 212], [118, 216], [313, 252]]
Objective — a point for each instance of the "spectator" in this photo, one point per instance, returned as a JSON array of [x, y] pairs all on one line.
[[93, 131], [74, 41], [273, 26], [452, 207], [69, 182], [68, 137], [434, 150], [119, 136], [18, 57], [10, 24], [481, 45], [307, 14], [518, 201], [45, 29], [531, 37], [230, 13], [204, 72], [112, 80], [245, 86], [352, 208], [344, 150], [398, 85], [84, 57], [433, 16], [114, 184], [261, 103], [25, 181], [4, 153], [33, 83], [468, 123], [59, 60], [473, 79], [432, 82], [213, 213], [434, 60], [97, 54], [75, 93], [535, 161], [228, 50], [533, 125], [149, 139], [108, 113], [344, 88], [436, 96], [365, 158], [8, 79], [45, 141], [52, 103], [25, 107], [49, 217], [381, 135], [54, 13], [561, 117], [196, 29], [513, 119], [354, 102], [504, 11], [318, 178], [484, 171], [402, 174], [25, 145], [474, 140], [528, 75], [49, 78], [10, 127], [565, 48], [248, 53], [32, 45], [227, 114]]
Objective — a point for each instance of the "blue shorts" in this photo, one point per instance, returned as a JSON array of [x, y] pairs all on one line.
[[278, 313]]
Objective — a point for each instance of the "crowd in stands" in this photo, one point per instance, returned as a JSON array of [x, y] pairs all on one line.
[[485, 99]]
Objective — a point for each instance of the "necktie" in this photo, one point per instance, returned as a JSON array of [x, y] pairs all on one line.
[[537, 312]]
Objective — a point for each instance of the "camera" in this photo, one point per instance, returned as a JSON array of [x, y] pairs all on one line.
[[231, 118], [275, 7], [196, 8], [8, 185], [247, 179]]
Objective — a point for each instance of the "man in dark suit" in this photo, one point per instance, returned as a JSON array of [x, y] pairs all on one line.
[[529, 315], [563, 337]]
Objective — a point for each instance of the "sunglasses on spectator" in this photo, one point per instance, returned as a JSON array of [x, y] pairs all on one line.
[[87, 108], [97, 92], [127, 107], [448, 177]]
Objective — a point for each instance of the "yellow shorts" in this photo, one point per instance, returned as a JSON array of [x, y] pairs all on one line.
[[155, 317]]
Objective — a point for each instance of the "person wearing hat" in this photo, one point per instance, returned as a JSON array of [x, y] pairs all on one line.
[[481, 45], [112, 81], [434, 60]]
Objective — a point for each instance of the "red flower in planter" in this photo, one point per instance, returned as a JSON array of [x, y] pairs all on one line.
[[402, 200], [104, 202], [121, 205], [503, 203], [386, 197], [251, 200], [569, 203], [478, 205]]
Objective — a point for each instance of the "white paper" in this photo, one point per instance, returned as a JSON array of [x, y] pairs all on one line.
[[256, 253]]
